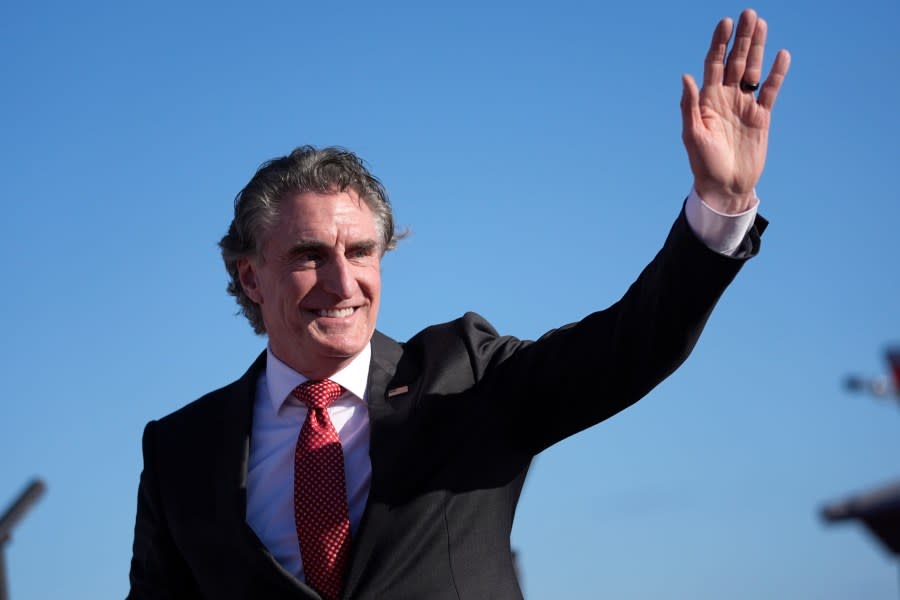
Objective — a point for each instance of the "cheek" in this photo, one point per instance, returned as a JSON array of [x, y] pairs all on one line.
[[283, 298], [297, 286], [372, 282]]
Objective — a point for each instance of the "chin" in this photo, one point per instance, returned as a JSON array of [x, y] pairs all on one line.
[[341, 350]]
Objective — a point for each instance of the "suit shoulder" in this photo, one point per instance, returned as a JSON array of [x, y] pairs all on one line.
[[202, 407], [469, 339], [215, 404], [468, 325]]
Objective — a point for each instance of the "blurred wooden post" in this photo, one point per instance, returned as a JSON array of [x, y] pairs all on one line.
[[13, 515]]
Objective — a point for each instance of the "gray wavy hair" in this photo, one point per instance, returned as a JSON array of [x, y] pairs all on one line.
[[306, 169]]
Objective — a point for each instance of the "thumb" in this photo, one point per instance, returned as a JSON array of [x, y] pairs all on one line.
[[690, 103]]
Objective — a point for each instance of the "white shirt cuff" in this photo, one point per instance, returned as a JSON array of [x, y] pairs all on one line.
[[720, 232]]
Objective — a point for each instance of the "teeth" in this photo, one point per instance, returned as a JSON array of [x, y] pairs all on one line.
[[340, 312]]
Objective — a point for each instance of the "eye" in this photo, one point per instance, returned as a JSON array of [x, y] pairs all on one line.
[[308, 259], [360, 252]]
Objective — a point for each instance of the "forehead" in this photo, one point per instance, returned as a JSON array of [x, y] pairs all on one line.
[[326, 217]]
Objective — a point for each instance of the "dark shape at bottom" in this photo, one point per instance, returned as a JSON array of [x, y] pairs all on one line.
[[879, 509]]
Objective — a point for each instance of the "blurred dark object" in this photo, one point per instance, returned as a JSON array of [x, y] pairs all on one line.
[[17, 509], [883, 386], [13, 515], [878, 509], [893, 356]]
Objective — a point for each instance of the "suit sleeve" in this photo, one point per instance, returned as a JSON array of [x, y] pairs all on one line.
[[157, 569], [580, 374]]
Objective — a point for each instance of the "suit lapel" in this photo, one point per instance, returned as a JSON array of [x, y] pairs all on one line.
[[231, 469], [231, 475], [388, 403]]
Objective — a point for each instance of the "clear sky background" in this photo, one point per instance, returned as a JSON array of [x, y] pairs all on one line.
[[534, 150]]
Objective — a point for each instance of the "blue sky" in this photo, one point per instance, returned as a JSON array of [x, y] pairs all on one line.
[[534, 151]]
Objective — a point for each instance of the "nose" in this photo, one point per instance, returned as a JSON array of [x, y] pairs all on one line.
[[337, 278]]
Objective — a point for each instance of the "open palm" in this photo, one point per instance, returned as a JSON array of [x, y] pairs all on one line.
[[725, 125]]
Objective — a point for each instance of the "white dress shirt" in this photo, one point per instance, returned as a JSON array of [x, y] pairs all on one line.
[[719, 231], [278, 417]]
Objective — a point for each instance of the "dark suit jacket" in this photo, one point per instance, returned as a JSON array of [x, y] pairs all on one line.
[[449, 456]]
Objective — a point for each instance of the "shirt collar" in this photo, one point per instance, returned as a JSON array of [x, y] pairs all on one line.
[[281, 379]]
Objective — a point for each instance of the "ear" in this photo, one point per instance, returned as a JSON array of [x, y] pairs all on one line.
[[249, 278]]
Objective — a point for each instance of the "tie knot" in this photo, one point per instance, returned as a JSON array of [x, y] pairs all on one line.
[[318, 394]]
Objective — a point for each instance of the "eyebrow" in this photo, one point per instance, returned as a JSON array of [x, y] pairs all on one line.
[[305, 246], [315, 245], [363, 245]]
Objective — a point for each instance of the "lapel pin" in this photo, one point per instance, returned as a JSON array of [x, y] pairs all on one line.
[[397, 391]]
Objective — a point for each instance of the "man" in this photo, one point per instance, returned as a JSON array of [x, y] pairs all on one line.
[[346, 465]]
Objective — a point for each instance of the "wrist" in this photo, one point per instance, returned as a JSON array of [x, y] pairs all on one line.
[[726, 201]]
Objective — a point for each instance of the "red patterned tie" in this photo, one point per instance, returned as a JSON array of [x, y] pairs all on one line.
[[320, 494]]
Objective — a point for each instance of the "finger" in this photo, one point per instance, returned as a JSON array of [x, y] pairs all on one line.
[[753, 69], [690, 105], [737, 58], [769, 91], [714, 67]]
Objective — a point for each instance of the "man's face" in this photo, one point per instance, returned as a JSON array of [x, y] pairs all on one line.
[[318, 281]]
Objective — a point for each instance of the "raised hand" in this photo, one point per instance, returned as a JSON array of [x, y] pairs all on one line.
[[725, 126]]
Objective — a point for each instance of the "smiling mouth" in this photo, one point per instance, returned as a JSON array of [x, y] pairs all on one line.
[[335, 312]]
